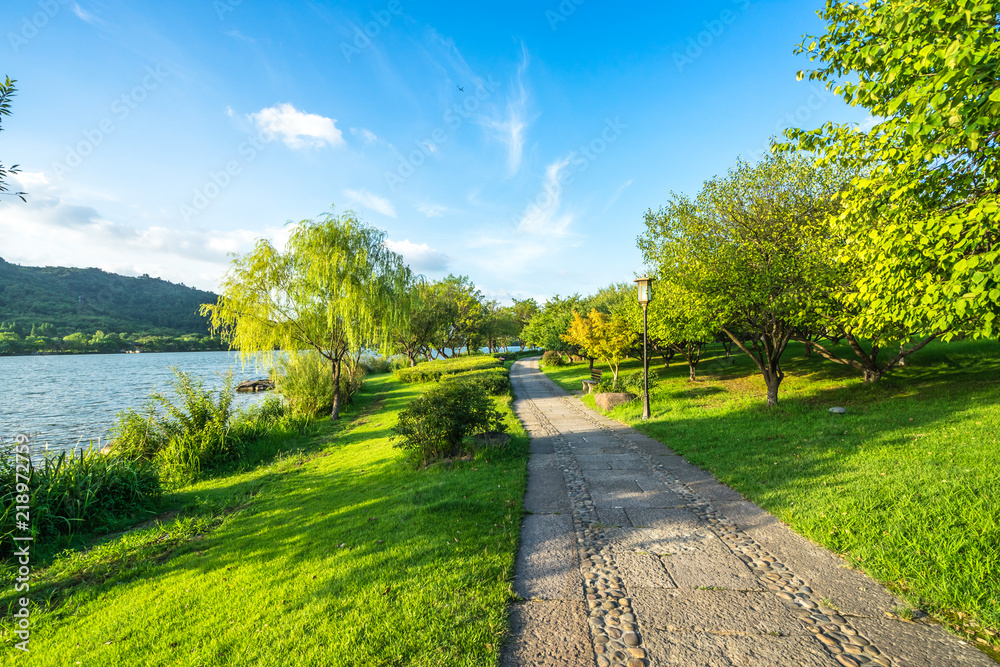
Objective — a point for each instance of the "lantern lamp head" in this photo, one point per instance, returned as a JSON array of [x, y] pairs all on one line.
[[645, 292]]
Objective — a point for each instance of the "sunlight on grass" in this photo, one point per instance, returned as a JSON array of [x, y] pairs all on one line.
[[342, 555], [903, 485]]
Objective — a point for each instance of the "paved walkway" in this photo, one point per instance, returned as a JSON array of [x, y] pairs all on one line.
[[631, 556]]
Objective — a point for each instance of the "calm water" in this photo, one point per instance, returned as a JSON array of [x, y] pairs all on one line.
[[68, 401]]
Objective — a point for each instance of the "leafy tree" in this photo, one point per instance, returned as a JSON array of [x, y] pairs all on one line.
[[337, 289], [606, 337], [524, 311], [753, 249], [546, 328], [681, 322], [427, 317], [923, 214], [7, 91], [498, 326]]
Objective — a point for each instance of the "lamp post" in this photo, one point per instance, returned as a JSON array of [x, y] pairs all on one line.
[[645, 295]]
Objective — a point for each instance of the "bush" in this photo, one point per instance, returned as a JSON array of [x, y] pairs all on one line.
[[305, 381], [553, 358], [631, 383], [492, 381], [200, 432], [377, 365], [430, 371], [436, 424], [77, 493]]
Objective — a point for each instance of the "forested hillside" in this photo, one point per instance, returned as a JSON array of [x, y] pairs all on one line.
[[88, 300]]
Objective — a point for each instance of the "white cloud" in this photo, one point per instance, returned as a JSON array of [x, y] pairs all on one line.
[[367, 136], [83, 14], [510, 130], [298, 129], [432, 210], [543, 214], [421, 257], [372, 201], [617, 195], [52, 230]]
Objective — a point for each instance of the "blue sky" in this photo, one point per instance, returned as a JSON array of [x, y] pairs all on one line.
[[158, 137]]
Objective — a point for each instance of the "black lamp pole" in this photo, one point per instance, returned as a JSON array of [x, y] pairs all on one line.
[[645, 366]]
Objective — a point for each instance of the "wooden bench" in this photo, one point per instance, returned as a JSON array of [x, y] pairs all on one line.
[[595, 379]]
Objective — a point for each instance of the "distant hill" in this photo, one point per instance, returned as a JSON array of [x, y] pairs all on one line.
[[88, 300]]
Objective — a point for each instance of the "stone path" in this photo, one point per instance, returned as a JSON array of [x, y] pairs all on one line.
[[631, 556]]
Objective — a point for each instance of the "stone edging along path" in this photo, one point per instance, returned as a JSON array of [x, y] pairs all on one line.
[[632, 557]]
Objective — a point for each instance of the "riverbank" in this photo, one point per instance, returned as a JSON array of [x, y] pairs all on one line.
[[319, 557], [903, 486]]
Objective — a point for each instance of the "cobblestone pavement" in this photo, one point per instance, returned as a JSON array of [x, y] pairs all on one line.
[[630, 556]]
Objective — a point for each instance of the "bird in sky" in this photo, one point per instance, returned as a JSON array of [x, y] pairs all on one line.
[[460, 89]]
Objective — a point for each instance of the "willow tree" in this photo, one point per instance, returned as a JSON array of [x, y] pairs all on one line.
[[336, 289]]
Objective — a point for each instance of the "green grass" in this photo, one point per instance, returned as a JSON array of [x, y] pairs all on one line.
[[435, 370], [904, 485], [343, 554]]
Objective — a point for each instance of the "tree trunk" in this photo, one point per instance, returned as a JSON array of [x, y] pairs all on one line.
[[335, 410], [691, 372], [591, 364], [809, 348], [773, 381], [413, 360]]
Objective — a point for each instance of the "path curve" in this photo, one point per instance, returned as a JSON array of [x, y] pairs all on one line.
[[632, 557]]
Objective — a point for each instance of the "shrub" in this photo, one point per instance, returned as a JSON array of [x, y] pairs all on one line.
[[436, 424], [430, 371], [306, 383], [200, 432], [492, 381], [77, 493], [377, 365], [631, 383], [553, 358]]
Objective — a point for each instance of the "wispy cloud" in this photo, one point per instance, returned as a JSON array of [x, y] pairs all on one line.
[[52, 230], [511, 128], [617, 195], [372, 201], [366, 135], [544, 214], [236, 34], [297, 128], [433, 210], [421, 258], [84, 15]]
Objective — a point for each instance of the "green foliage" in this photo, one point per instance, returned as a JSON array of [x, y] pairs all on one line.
[[8, 89], [631, 383], [73, 493], [751, 254], [922, 217], [61, 301], [435, 425], [377, 365], [201, 432], [553, 358], [337, 289], [430, 371], [306, 383], [492, 381]]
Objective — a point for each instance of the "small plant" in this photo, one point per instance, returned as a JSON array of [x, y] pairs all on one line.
[[306, 383], [553, 358], [905, 612], [435, 425], [631, 383]]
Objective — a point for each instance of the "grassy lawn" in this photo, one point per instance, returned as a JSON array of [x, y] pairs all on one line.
[[342, 554], [905, 485]]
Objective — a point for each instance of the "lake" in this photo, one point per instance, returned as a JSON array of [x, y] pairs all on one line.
[[68, 401]]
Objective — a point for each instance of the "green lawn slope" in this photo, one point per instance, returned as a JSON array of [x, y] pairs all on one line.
[[905, 485], [341, 555]]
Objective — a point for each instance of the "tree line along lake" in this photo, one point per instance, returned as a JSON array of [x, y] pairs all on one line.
[[70, 401]]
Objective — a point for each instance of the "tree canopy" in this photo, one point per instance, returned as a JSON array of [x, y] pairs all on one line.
[[923, 213], [337, 289]]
